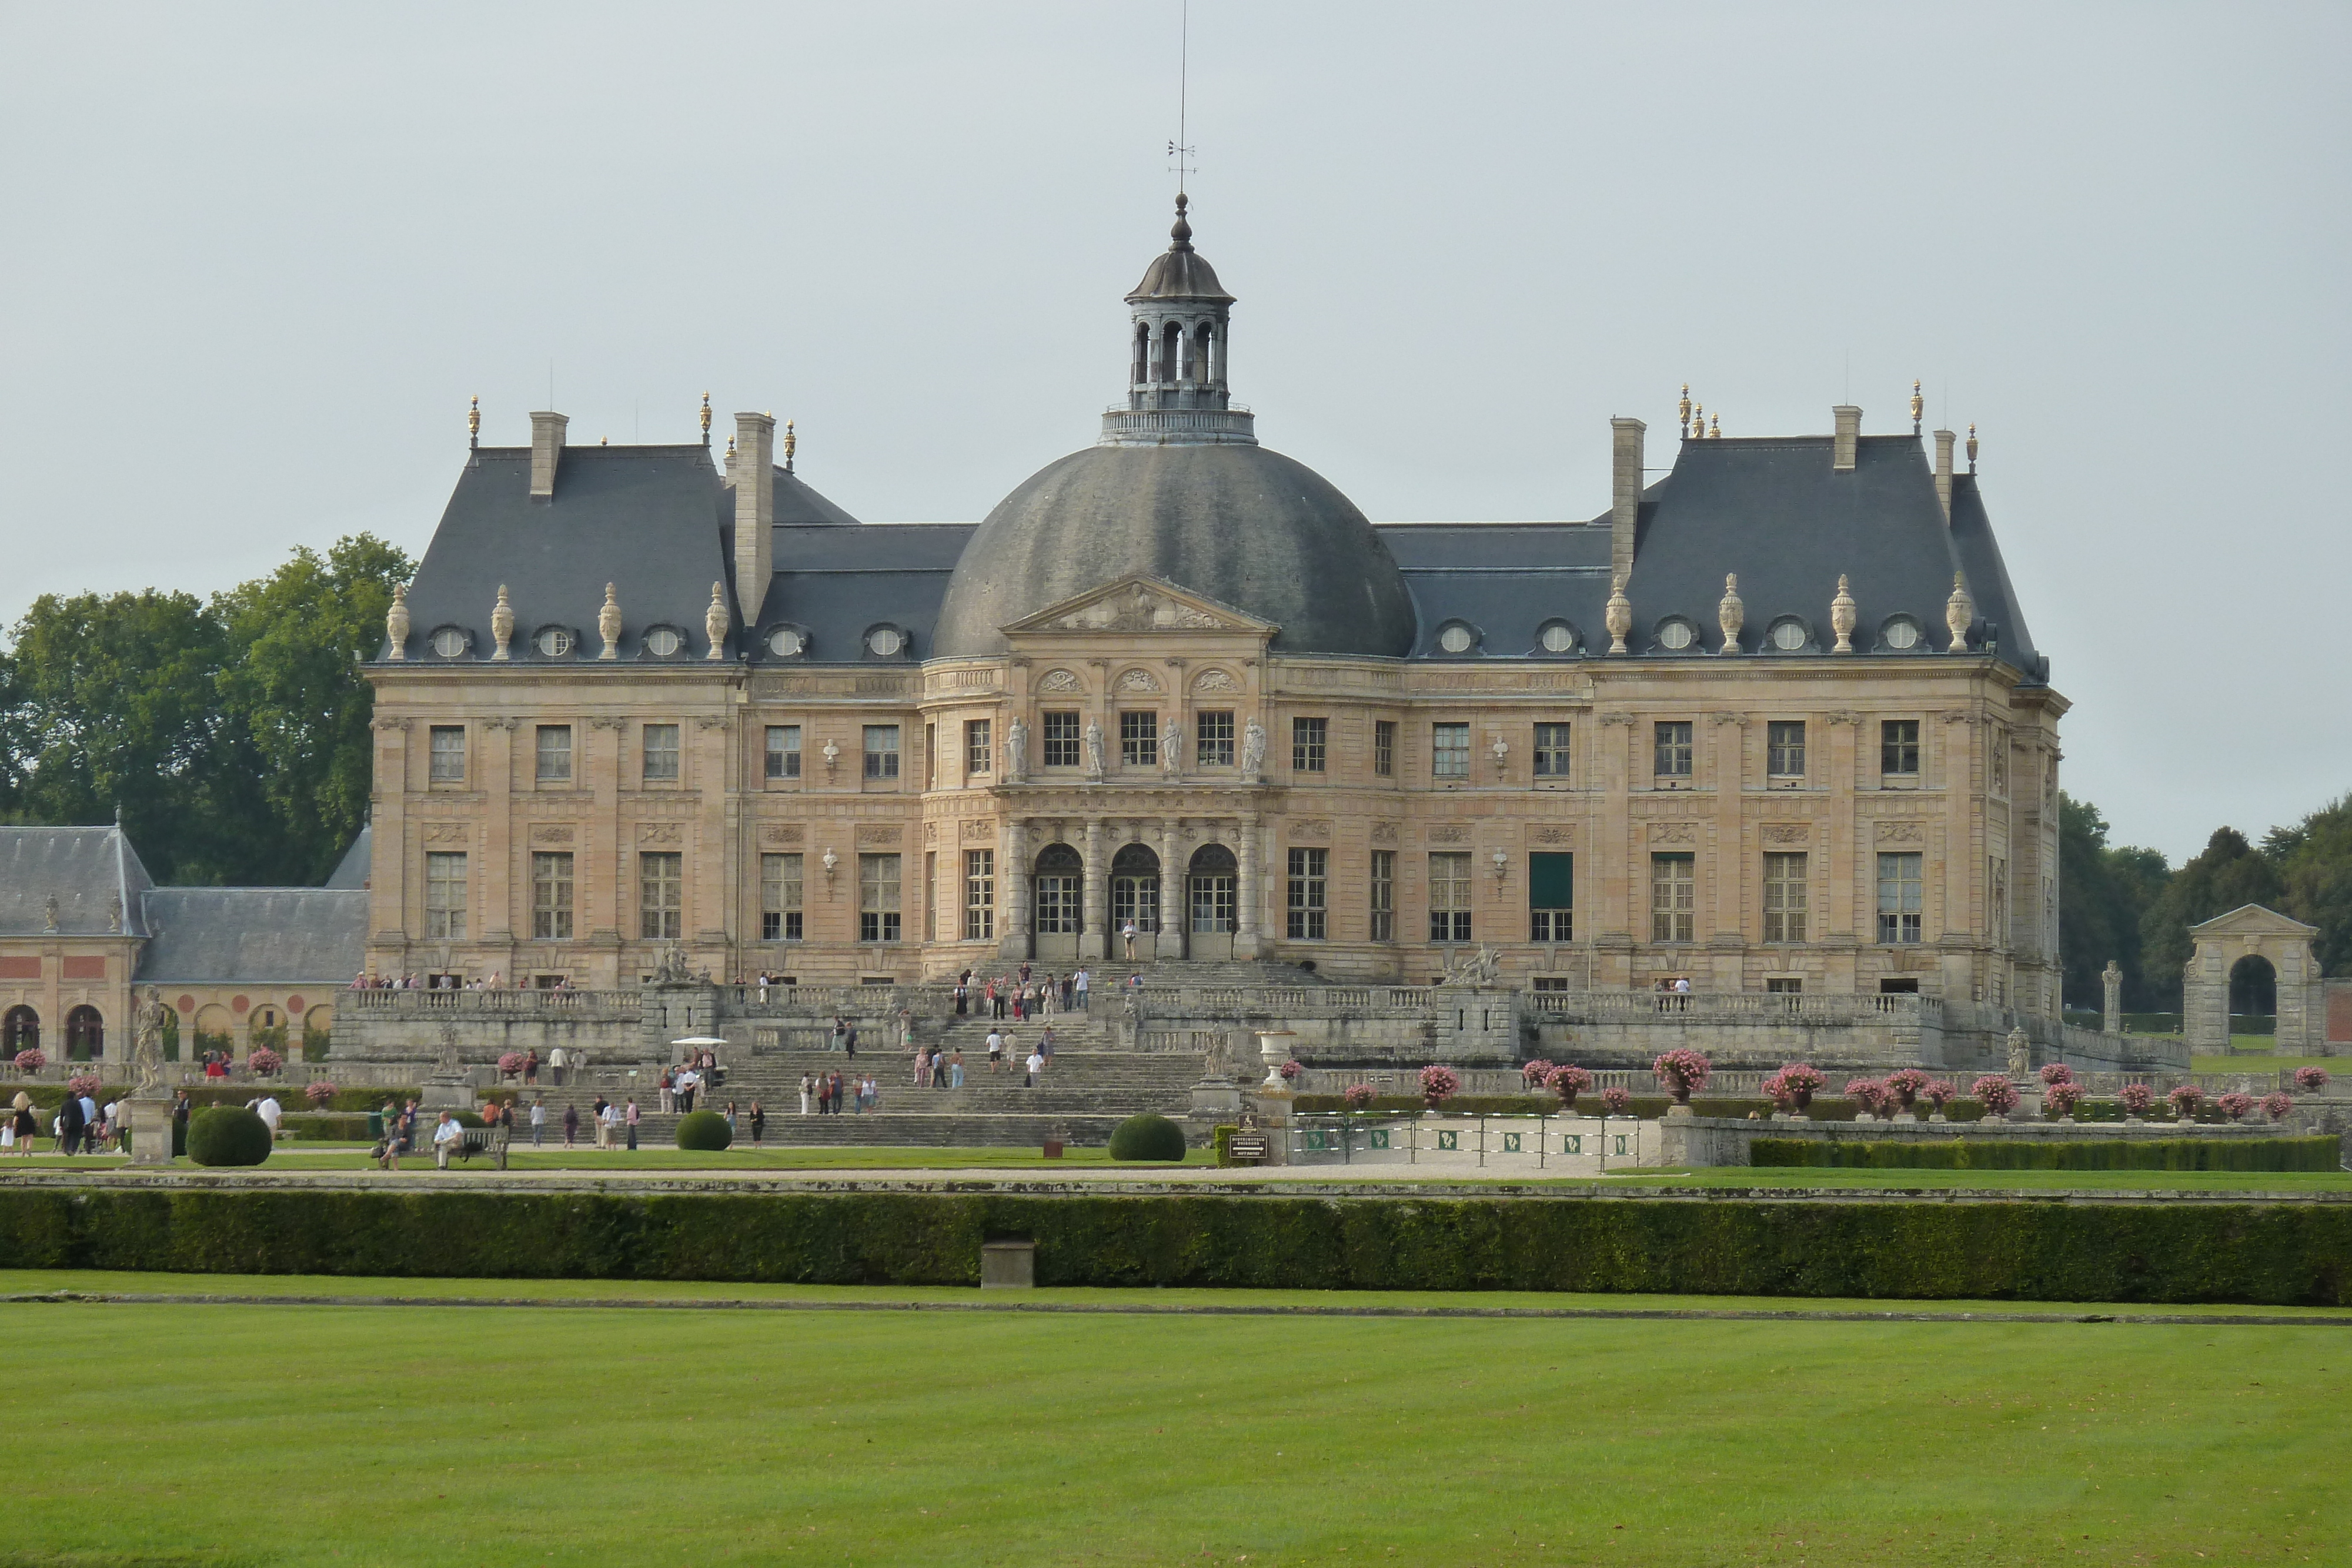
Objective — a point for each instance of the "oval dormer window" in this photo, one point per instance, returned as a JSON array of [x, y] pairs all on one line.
[[1456, 638], [1788, 636], [663, 641], [554, 642], [786, 644], [884, 641], [1559, 637], [448, 641], [1677, 635], [1902, 634]]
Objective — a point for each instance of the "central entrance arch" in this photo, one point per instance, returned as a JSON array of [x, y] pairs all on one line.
[[1135, 897], [1060, 904], [1213, 878]]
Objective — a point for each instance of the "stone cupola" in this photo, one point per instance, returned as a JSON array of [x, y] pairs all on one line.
[[1176, 388]]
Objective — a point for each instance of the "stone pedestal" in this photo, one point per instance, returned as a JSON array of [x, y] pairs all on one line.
[[1216, 1100], [1009, 1265], [2112, 1017], [151, 1129], [444, 1091]]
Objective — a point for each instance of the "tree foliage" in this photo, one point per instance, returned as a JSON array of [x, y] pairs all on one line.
[[2104, 892], [232, 736]]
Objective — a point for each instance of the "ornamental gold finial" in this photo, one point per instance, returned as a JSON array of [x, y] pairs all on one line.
[[474, 423], [790, 441], [1918, 407], [1684, 406], [1714, 427], [706, 419], [1972, 448], [1698, 421]]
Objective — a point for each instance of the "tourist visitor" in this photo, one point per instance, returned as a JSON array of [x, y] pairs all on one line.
[[68, 1124], [808, 1086], [687, 1082], [869, 1093], [849, 1043], [955, 1070], [665, 1088], [530, 1065], [923, 1067], [905, 1029], [1078, 988], [571, 1125], [1045, 1043], [379, 1120], [387, 1153], [555, 1065], [940, 1070], [759, 1123], [272, 1112], [22, 1126], [1036, 1066], [633, 1126], [445, 1133], [840, 1031], [182, 1109], [1127, 935], [996, 997], [995, 1049], [538, 1121], [408, 1126], [731, 1120], [832, 1086]]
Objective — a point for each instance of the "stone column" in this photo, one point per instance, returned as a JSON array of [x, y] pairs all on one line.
[[2112, 1022], [1012, 877], [1246, 892], [1093, 944], [1171, 892]]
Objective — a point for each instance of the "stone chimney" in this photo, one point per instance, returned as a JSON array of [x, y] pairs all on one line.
[[755, 511], [546, 452], [1849, 436], [1624, 493], [1944, 439]]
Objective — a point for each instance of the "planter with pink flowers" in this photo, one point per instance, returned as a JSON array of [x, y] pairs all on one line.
[[1681, 1073], [1568, 1082]]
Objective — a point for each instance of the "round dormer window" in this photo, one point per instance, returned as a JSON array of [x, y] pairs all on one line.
[[663, 641], [554, 642], [1457, 638], [1677, 635], [1788, 636], [1559, 637], [884, 641], [786, 644], [1902, 634], [448, 641]]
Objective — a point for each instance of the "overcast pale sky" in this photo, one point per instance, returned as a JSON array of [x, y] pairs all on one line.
[[256, 259]]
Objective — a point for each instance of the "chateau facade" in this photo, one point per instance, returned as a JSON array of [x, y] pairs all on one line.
[[1773, 722]]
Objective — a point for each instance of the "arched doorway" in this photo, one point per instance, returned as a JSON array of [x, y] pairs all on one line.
[[1060, 902], [2253, 996], [1213, 878], [20, 1030], [1135, 897], [2249, 957], [85, 1035]]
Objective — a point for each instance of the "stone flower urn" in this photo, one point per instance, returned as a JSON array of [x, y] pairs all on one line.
[[1274, 1049]]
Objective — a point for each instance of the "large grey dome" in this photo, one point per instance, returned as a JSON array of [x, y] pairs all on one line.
[[1237, 523]]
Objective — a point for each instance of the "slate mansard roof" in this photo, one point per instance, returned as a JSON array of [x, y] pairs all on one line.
[[254, 935], [92, 873], [659, 522]]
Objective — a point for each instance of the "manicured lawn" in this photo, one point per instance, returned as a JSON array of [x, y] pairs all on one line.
[[546, 1435], [2261, 1060], [325, 1156], [1997, 1181]]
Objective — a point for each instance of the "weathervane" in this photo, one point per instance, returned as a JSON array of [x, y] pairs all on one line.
[[1180, 150]]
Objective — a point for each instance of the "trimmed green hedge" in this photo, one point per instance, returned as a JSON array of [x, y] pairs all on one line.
[[2319, 1154], [1148, 1137], [2298, 1254], [227, 1135]]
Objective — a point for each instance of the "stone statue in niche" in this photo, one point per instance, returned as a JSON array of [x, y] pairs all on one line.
[[1172, 747], [147, 1044], [1253, 748], [1094, 750], [1016, 750]]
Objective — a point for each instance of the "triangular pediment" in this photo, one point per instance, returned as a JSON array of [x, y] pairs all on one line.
[[2253, 920], [1141, 603]]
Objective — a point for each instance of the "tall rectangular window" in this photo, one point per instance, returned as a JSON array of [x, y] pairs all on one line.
[[661, 896], [881, 751], [1308, 740], [783, 751], [780, 898], [550, 896], [1449, 897], [1785, 749], [1898, 748], [1899, 898], [1449, 751], [1213, 739], [978, 895], [1309, 887], [1385, 895], [1138, 739], [1672, 758], [661, 754], [1551, 897], [931, 757], [1674, 898], [1385, 747], [445, 896], [979, 748], [1059, 730], [1551, 751], [877, 898], [448, 764], [1784, 898], [554, 754]]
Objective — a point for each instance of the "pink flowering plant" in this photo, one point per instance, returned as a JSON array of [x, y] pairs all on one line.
[[1905, 1085], [1801, 1080], [2278, 1107], [82, 1083], [2185, 1101], [2138, 1099], [1291, 1070], [1682, 1073], [1568, 1082], [2060, 1099], [264, 1062], [319, 1092], [1776, 1088], [1438, 1084], [2057, 1073], [511, 1064], [1536, 1073], [1941, 1092], [1867, 1093], [2311, 1080], [1995, 1092], [1617, 1102], [2234, 1106], [1359, 1096], [30, 1060]]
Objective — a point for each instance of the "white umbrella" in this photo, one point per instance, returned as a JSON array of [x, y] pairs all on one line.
[[699, 1039]]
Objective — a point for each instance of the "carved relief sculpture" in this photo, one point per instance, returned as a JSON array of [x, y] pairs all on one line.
[[714, 621], [395, 621], [1841, 619], [1214, 681], [608, 623], [502, 625], [1730, 614]]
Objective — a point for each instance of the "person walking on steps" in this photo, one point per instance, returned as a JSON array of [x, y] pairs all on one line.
[[759, 1123]]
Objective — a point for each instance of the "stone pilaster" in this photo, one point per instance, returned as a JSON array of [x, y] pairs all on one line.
[[1012, 875], [1246, 894], [1094, 944], [1171, 891]]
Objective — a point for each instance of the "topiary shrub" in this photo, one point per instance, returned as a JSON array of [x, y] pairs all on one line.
[[705, 1131], [1148, 1138], [227, 1135]]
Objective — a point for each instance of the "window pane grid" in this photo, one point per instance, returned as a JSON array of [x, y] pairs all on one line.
[[783, 751], [1449, 751], [1785, 898], [1309, 874], [1385, 747], [979, 894], [881, 751], [1138, 739], [554, 764], [1551, 751], [1059, 731], [1551, 896], [1383, 900], [780, 898], [877, 898], [449, 755], [1449, 895], [1213, 743], [661, 896], [1309, 738], [1674, 898], [550, 896], [978, 752], [661, 754], [1898, 746], [1786, 748], [1673, 759], [445, 896], [1900, 898]]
